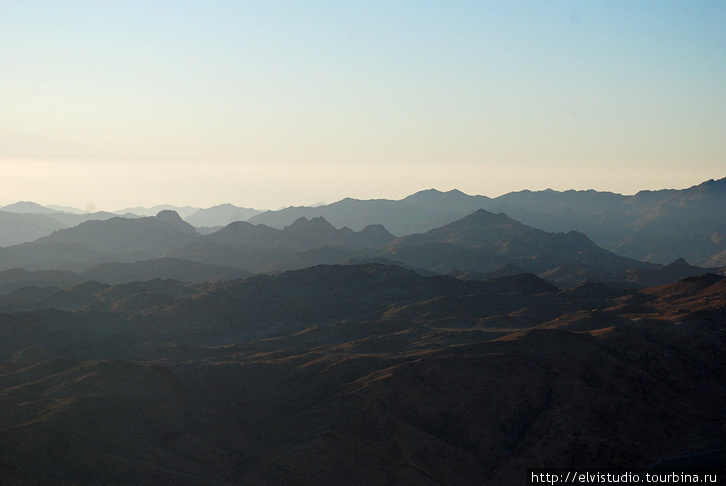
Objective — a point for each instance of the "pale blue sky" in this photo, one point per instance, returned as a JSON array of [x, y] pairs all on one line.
[[265, 104]]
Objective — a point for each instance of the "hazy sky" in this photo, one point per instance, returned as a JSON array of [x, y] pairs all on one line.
[[109, 104]]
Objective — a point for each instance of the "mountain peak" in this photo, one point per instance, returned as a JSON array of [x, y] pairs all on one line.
[[315, 224], [171, 217], [27, 207], [484, 215], [679, 263]]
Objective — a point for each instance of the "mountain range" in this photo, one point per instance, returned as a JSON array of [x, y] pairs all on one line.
[[654, 226], [479, 243]]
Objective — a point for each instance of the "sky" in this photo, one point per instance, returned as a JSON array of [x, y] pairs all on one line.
[[265, 104]]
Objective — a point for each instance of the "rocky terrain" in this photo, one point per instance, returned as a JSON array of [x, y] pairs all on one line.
[[356, 374]]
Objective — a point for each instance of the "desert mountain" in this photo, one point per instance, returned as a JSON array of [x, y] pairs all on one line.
[[152, 235], [259, 248], [359, 371], [399, 217], [479, 243], [94, 242], [484, 241], [656, 226]]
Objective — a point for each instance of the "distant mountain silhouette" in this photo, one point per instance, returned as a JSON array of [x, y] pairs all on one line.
[[69, 218], [399, 217], [94, 242], [153, 236], [182, 211], [259, 248], [484, 241], [477, 244], [27, 207], [656, 226], [65, 209], [16, 228], [474, 247], [221, 215]]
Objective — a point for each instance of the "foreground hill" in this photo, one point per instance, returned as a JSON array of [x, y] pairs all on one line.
[[114, 273], [333, 373]]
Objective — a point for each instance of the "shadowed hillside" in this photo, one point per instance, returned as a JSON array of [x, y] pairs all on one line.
[[332, 373]]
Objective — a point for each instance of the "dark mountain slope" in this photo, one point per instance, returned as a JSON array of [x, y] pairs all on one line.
[[16, 278], [95, 242], [329, 395], [651, 277], [115, 273], [162, 268], [152, 235], [49, 255]]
